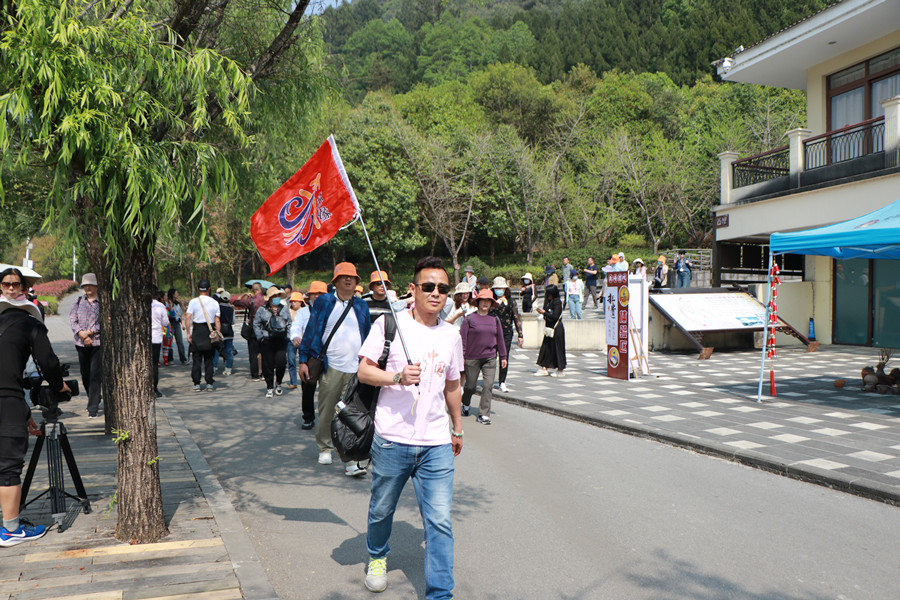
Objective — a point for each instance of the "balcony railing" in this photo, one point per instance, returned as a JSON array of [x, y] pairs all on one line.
[[761, 167], [847, 143]]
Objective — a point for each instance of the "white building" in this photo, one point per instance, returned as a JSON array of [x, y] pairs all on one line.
[[842, 165]]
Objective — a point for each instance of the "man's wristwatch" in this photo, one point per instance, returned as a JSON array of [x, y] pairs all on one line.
[[397, 376]]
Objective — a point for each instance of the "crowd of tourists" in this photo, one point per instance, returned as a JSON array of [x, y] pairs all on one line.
[[323, 337]]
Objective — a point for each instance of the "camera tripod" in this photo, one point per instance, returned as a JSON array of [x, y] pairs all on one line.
[[53, 433]]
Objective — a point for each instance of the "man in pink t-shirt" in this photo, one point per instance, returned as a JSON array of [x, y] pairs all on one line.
[[415, 437]]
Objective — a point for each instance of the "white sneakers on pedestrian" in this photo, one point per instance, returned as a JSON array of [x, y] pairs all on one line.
[[278, 390], [270, 393], [541, 373], [503, 388], [226, 372], [376, 575], [352, 469], [324, 458]]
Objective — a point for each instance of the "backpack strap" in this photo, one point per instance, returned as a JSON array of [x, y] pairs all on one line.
[[390, 332]]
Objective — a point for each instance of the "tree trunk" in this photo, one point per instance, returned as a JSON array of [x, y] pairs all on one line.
[[128, 396]]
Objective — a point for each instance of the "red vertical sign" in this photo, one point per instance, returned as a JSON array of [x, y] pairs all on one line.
[[616, 305]]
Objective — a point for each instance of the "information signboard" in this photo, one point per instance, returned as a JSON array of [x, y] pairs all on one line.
[[713, 312], [616, 305]]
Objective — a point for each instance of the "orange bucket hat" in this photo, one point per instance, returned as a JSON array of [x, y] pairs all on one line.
[[296, 297], [345, 268], [318, 287], [374, 277], [485, 294]]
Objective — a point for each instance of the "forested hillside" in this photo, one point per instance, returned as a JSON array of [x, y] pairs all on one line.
[[396, 44], [504, 130], [521, 126]]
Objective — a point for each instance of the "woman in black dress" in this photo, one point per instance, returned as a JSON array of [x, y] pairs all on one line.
[[529, 293], [552, 354]]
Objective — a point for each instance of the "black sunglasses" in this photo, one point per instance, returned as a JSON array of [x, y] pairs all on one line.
[[428, 287]]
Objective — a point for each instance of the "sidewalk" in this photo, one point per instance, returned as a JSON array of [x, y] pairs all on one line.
[[845, 439], [206, 556]]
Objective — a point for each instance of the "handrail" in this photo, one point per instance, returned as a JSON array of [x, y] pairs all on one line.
[[761, 154], [843, 129]]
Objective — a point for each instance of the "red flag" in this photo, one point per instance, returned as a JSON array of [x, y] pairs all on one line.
[[306, 211]]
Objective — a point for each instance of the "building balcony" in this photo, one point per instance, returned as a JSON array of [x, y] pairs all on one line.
[[855, 152]]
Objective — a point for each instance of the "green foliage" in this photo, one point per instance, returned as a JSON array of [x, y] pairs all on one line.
[[386, 190], [52, 302], [87, 99]]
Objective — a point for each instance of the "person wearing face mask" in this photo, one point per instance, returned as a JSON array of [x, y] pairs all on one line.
[[508, 313], [271, 325], [574, 290]]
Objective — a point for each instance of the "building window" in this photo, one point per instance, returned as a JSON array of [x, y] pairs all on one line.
[[855, 93]]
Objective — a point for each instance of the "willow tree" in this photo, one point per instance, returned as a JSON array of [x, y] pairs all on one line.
[[122, 108]]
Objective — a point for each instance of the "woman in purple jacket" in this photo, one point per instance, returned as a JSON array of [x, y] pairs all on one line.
[[482, 340]]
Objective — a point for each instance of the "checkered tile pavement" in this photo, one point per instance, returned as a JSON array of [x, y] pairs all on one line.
[[843, 438]]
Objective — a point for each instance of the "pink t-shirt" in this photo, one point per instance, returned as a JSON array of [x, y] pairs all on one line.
[[439, 350]]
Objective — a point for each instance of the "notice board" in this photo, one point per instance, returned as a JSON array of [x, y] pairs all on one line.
[[722, 311]]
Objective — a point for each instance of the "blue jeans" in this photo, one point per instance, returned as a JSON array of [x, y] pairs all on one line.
[[228, 350], [684, 279], [575, 306], [431, 469], [292, 361]]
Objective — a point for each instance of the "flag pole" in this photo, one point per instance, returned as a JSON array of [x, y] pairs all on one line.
[[384, 285], [762, 366]]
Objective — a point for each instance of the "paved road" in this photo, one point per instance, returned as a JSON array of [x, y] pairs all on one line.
[[544, 508]]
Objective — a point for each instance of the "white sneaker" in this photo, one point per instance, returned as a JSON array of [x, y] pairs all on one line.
[[376, 575], [503, 388], [541, 373], [278, 390], [270, 393], [324, 458], [353, 469], [226, 372]]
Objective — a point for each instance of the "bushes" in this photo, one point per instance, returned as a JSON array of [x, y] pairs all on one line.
[[57, 289], [51, 304]]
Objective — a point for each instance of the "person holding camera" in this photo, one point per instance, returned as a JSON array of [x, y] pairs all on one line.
[[84, 318], [22, 335]]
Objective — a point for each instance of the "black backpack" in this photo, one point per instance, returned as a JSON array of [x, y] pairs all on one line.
[[353, 425], [277, 326]]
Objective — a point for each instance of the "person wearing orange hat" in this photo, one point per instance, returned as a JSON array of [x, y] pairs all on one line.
[[378, 301], [338, 324], [298, 327], [295, 300], [661, 272], [483, 343]]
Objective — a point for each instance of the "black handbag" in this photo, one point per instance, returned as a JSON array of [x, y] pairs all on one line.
[[353, 425]]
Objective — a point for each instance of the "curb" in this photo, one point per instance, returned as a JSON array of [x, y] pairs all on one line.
[[747, 458], [251, 576]]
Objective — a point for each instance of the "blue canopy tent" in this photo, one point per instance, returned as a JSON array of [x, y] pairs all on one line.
[[874, 235]]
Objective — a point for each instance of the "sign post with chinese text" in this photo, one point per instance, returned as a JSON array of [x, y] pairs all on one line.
[[616, 304]]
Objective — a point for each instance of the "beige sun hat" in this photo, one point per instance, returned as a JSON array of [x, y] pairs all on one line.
[[26, 305], [499, 282], [462, 288], [273, 292], [88, 279]]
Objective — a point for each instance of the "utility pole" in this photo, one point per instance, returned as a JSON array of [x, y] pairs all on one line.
[[74, 262]]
